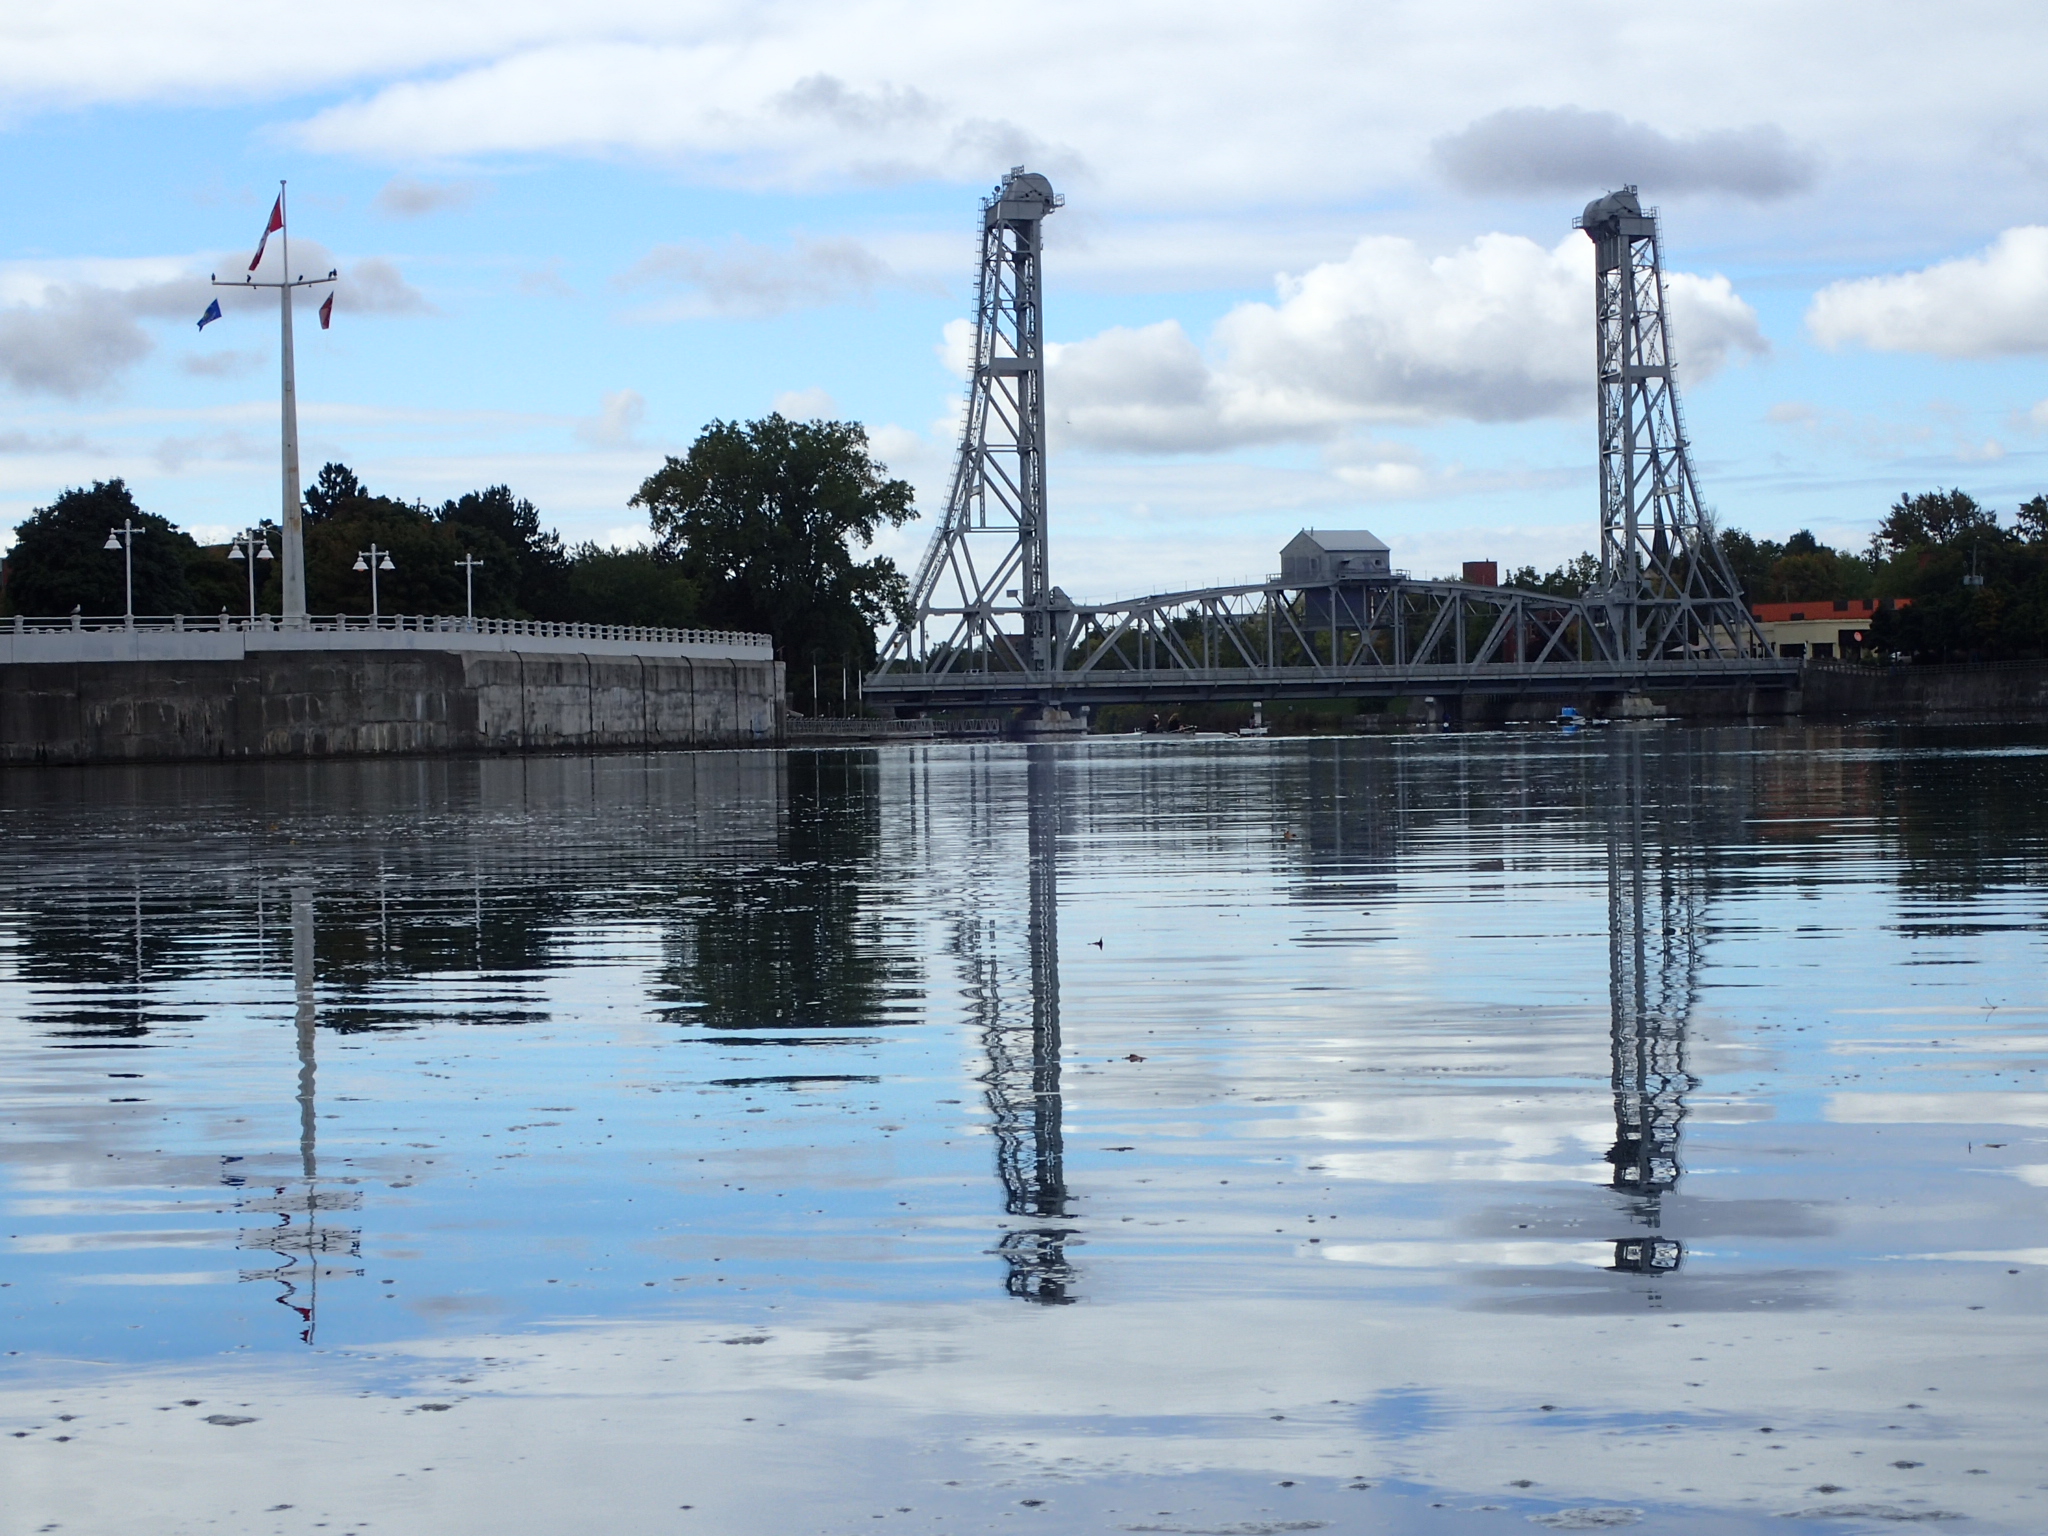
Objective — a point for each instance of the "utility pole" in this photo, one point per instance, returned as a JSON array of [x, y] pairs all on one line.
[[469, 564], [294, 534], [123, 539]]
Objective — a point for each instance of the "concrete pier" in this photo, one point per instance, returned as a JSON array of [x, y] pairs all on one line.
[[404, 687]]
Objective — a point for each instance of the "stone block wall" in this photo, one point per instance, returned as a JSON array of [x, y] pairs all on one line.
[[1990, 690], [361, 703]]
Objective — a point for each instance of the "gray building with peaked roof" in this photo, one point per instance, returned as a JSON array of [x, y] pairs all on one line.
[[1335, 555]]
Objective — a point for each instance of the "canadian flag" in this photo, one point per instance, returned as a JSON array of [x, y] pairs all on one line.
[[276, 223], [327, 312]]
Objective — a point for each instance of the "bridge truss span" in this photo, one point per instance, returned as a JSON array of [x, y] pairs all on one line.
[[1268, 640], [1334, 625]]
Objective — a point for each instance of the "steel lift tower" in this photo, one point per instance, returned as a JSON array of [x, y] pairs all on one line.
[[987, 558], [1665, 586]]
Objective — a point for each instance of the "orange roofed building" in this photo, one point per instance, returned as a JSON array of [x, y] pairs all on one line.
[[1823, 628]]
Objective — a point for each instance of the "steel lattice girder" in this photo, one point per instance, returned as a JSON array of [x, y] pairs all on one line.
[[1321, 639]]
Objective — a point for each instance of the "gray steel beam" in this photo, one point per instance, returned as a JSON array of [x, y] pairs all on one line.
[[987, 690]]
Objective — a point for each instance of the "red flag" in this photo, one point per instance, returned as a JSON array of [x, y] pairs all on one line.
[[276, 223], [327, 312]]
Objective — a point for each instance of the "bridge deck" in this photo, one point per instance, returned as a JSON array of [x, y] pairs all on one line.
[[964, 690]]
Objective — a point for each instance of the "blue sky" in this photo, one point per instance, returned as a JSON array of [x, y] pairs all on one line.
[[1315, 267]]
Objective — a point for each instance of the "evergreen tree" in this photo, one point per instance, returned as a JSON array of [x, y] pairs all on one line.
[[531, 579], [344, 519]]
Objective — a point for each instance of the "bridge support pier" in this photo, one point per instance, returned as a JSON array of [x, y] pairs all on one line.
[[1039, 722]]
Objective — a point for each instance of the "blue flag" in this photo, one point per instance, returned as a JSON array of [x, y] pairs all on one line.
[[212, 314]]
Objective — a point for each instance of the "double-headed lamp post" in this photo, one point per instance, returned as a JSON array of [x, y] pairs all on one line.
[[470, 565], [123, 539], [249, 546], [374, 560]]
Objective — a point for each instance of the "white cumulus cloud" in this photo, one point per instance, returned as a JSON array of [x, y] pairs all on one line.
[[1497, 331], [1294, 103], [1991, 304]]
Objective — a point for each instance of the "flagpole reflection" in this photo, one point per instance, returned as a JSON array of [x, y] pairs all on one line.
[[298, 1239]]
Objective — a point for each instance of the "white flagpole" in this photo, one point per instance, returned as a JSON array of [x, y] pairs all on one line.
[[294, 518], [294, 540]]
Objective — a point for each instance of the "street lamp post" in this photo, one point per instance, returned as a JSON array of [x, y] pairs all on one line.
[[123, 539], [374, 560], [249, 546], [470, 565]]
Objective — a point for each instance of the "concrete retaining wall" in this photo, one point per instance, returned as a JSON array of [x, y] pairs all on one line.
[[366, 702], [2012, 689]]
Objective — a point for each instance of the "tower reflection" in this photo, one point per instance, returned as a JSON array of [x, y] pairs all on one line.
[[1656, 892], [1023, 1079], [299, 1241]]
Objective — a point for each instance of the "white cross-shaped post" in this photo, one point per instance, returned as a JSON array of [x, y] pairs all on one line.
[[469, 564]]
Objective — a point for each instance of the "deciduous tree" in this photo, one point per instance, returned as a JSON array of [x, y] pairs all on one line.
[[765, 519]]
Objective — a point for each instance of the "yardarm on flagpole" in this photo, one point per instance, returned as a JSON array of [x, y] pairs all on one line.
[[294, 605]]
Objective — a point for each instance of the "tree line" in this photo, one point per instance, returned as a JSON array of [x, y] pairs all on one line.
[[1925, 548], [760, 527]]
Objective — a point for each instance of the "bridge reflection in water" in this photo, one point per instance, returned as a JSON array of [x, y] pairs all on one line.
[[1656, 895], [1656, 906], [1656, 900], [1023, 1077]]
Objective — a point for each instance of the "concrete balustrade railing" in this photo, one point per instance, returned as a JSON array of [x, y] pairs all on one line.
[[183, 638], [395, 624]]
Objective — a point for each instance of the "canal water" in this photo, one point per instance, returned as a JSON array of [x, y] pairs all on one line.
[[1643, 1127]]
